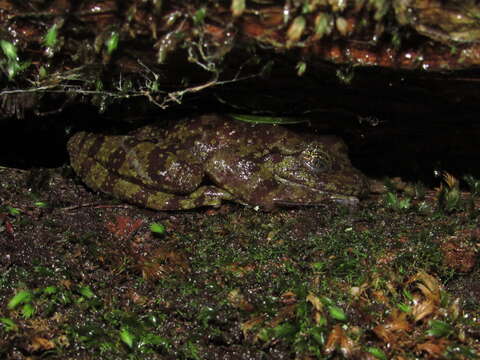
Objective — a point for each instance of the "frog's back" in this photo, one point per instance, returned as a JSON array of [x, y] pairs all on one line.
[[212, 132]]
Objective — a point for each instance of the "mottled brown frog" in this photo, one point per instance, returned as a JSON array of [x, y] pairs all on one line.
[[211, 158]]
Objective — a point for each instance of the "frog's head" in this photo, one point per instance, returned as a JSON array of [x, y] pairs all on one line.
[[320, 170]]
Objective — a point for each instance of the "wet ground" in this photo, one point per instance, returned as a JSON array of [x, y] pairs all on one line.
[[83, 276]]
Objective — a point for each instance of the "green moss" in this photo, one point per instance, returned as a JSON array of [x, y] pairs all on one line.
[[254, 282]]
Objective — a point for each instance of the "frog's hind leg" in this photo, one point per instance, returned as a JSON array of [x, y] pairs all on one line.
[[96, 176]]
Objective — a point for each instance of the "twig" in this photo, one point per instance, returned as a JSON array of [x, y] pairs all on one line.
[[95, 206]]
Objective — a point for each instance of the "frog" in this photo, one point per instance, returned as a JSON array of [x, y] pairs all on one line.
[[208, 159]]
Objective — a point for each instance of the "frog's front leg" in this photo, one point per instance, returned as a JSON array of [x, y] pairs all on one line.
[[249, 181], [97, 177]]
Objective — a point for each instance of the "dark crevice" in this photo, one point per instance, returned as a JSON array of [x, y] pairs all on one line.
[[380, 145]]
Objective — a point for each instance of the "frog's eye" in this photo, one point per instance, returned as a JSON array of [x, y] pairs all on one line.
[[320, 164], [317, 164], [316, 159]]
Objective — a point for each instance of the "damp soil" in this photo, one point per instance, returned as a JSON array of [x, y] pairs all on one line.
[[83, 276]]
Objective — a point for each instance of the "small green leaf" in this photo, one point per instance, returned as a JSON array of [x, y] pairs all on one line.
[[42, 72], [41, 204], [337, 313], [318, 335], [9, 50], [407, 294], [327, 301], [473, 184], [391, 199], [152, 320], [27, 311], [21, 297], [238, 7], [192, 351], [49, 290], [404, 204], [439, 328], [64, 297], [8, 323], [285, 330], [323, 25], [404, 307], [301, 68], [86, 292], [154, 86], [98, 85], [318, 266], [152, 339], [296, 29], [378, 353], [112, 42], [255, 119], [126, 337], [265, 334], [157, 228], [13, 211], [200, 15], [51, 37]]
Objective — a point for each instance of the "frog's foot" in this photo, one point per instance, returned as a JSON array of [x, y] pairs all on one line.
[[158, 200], [203, 196], [348, 201], [315, 200]]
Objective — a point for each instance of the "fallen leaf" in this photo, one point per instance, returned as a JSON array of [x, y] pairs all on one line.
[[450, 180], [9, 229], [237, 299], [396, 324], [239, 270], [250, 324], [383, 333], [123, 226], [160, 262], [284, 313], [41, 344], [333, 339], [295, 30], [399, 321], [66, 283], [347, 346], [428, 285], [422, 309], [380, 296], [315, 301], [454, 309], [434, 348]]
